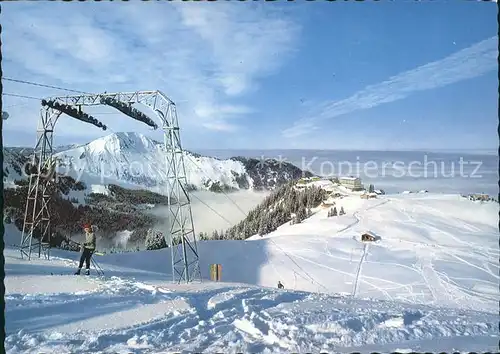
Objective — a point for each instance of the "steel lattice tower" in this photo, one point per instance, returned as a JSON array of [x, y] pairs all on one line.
[[180, 236], [36, 227]]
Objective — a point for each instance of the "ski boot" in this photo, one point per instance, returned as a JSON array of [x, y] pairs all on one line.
[[87, 272], [78, 271]]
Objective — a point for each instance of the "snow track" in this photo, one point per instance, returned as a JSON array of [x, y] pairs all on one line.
[[402, 264], [225, 319], [358, 271]]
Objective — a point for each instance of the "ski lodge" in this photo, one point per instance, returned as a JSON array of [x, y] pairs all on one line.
[[353, 183]]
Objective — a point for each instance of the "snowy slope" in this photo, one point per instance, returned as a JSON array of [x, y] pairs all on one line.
[[13, 162], [429, 284]]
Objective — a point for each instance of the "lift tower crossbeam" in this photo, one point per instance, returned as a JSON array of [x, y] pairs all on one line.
[[181, 235]]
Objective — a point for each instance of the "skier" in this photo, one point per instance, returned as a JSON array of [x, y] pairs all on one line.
[[280, 285], [88, 249]]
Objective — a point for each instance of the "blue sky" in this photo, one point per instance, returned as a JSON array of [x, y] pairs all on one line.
[[319, 75]]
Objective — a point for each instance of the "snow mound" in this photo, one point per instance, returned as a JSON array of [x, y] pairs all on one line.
[[121, 316]]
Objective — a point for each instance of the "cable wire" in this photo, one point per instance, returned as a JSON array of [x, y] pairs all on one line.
[[21, 96], [225, 194], [42, 85], [215, 211], [17, 105]]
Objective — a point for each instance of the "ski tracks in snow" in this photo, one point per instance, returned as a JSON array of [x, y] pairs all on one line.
[[357, 217], [239, 319], [358, 271], [143, 315]]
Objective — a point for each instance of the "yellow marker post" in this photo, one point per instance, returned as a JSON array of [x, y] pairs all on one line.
[[215, 272]]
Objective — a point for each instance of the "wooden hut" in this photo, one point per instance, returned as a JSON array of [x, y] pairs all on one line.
[[367, 237]]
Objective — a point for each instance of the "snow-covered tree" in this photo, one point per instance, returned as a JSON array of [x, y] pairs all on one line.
[[155, 241], [277, 209], [301, 214], [262, 227], [203, 236], [216, 235]]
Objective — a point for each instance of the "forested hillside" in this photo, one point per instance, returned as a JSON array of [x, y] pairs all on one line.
[[285, 204], [120, 210]]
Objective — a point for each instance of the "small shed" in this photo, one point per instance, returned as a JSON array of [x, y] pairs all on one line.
[[368, 237], [328, 202]]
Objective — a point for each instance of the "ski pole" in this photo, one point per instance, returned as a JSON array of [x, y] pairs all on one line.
[[97, 267]]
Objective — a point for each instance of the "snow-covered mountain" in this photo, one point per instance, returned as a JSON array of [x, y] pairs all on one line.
[[66, 147], [13, 161], [132, 159]]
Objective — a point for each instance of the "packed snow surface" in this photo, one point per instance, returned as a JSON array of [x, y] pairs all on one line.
[[429, 283]]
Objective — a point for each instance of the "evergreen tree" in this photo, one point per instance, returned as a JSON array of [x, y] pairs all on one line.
[[177, 240], [371, 188], [246, 233], [277, 209], [301, 214], [155, 241], [262, 229], [342, 212], [263, 225], [302, 200], [334, 212]]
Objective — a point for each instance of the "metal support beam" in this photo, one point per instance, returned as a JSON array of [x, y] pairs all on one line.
[[181, 234], [185, 259], [36, 228]]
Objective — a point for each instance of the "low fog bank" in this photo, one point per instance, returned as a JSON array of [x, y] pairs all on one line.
[[207, 220]]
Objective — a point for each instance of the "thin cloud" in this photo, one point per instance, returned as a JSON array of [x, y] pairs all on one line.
[[467, 63], [207, 56]]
